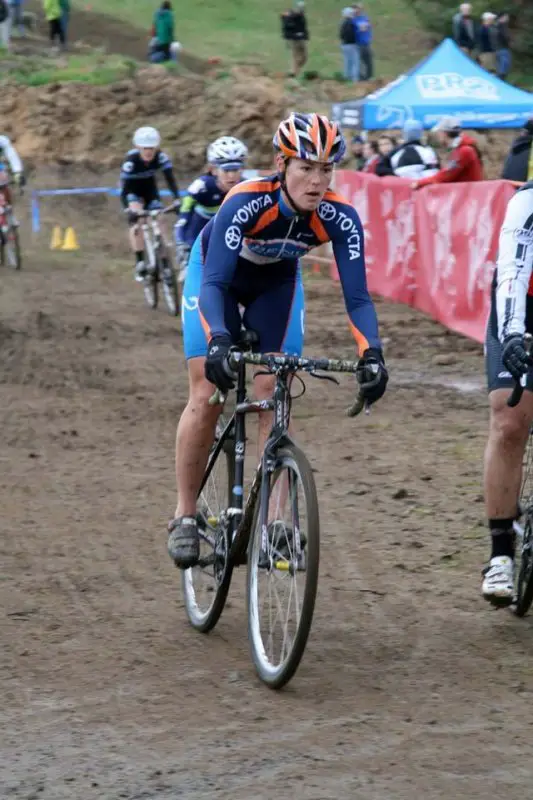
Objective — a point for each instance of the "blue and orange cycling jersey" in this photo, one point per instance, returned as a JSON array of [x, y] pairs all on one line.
[[254, 230]]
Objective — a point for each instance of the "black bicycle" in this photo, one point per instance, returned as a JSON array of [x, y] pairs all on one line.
[[158, 261], [10, 251], [523, 525], [276, 532]]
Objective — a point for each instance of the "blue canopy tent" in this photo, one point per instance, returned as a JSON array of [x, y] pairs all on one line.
[[445, 83]]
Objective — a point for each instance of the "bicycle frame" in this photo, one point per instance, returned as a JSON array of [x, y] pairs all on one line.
[[240, 515], [6, 208]]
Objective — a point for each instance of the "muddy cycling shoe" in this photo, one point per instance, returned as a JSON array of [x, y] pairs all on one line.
[[282, 545], [183, 542], [140, 271], [498, 581]]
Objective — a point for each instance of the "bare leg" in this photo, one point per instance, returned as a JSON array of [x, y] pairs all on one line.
[[195, 435], [503, 471], [508, 433], [136, 236]]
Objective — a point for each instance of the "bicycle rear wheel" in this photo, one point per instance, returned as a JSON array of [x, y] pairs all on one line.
[[524, 537], [283, 566], [10, 253], [206, 585]]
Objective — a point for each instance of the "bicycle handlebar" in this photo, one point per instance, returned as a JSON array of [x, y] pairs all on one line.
[[154, 212], [516, 395], [294, 363], [273, 361]]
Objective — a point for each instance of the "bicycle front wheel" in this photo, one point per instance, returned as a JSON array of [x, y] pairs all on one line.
[[283, 569], [524, 537], [206, 585]]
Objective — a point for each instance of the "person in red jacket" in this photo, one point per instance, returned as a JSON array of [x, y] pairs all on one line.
[[464, 162]]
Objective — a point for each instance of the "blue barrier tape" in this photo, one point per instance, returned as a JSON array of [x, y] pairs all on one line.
[[112, 192], [37, 193]]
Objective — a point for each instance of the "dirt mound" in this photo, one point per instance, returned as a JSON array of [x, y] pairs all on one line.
[[58, 124]]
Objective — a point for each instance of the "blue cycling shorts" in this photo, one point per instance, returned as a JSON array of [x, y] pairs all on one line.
[[268, 300]]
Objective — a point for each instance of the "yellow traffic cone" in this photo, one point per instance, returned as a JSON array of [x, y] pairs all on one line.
[[56, 241], [71, 242]]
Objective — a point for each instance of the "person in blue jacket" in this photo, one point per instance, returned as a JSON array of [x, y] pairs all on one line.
[[363, 38]]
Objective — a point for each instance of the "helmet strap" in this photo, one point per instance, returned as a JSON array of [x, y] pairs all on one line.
[[283, 184]]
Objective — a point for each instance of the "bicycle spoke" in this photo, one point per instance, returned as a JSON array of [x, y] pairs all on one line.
[[281, 589]]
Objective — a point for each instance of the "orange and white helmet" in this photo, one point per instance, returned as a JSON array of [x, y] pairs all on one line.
[[311, 137]]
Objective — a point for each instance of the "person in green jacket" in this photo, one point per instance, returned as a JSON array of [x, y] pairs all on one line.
[[164, 28], [52, 12]]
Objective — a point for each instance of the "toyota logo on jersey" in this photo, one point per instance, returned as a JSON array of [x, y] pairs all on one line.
[[327, 211], [233, 237]]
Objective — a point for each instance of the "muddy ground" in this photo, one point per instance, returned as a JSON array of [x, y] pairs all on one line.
[[410, 686]]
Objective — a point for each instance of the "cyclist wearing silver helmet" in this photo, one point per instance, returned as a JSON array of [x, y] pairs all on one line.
[[226, 157], [139, 185]]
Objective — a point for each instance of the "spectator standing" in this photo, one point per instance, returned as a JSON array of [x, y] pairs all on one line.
[[295, 32], [163, 32], [65, 17], [386, 145], [411, 159], [464, 162], [15, 16], [52, 12], [357, 158], [350, 50], [519, 162], [363, 37], [371, 155], [503, 46], [464, 29], [5, 24], [487, 42]]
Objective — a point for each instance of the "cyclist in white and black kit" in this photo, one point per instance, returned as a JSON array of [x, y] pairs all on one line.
[[511, 316], [139, 185], [411, 159]]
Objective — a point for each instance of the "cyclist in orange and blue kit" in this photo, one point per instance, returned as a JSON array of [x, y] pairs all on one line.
[[244, 269]]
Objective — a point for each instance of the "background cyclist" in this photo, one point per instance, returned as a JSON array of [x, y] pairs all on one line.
[[139, 186], [226, 157], [10, 162], [511, 316]]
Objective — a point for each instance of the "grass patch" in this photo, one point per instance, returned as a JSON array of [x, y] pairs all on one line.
[[96, 69], [249, 31]]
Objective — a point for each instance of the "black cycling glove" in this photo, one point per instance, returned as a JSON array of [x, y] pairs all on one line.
[[515, 356], [217, 369], [372, 375]]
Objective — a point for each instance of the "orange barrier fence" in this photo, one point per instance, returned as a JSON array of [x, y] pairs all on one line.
[[434, 249]]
